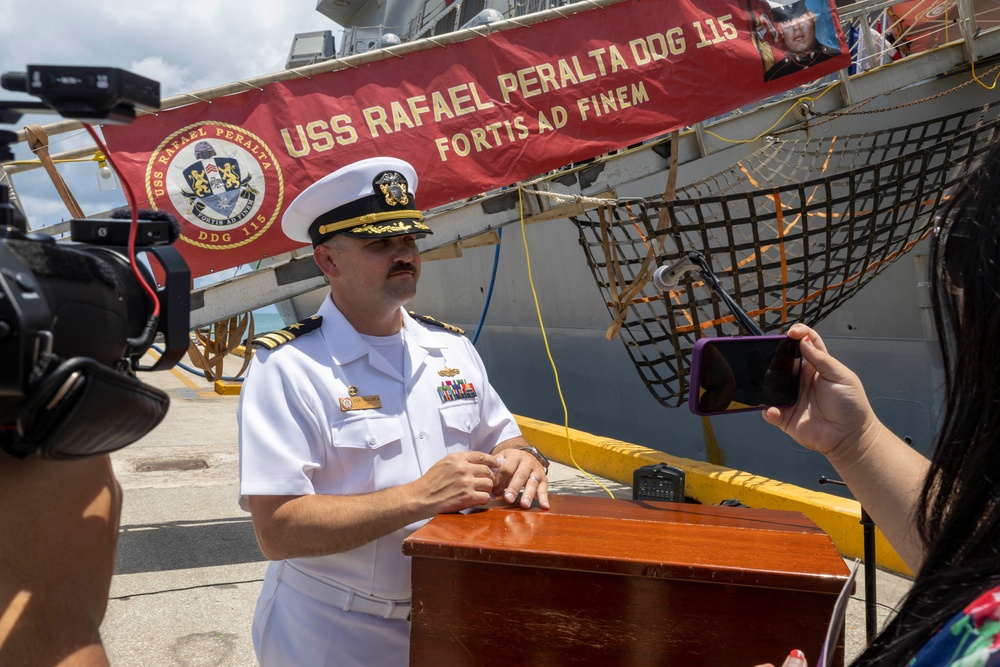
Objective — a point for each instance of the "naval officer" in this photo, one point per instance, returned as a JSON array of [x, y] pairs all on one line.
[[358, 425]]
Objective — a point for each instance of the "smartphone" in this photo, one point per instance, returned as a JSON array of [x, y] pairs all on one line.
[[744, 373]]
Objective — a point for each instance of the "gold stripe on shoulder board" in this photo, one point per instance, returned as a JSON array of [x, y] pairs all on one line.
[[273, 339], [427, 319]]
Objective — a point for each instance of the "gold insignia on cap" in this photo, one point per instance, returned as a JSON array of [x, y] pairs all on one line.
[[366, 223], [397, 226], [393, 186]]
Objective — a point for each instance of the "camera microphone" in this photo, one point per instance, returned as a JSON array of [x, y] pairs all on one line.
[[16, 81], [669, 275], [173, 227], [155, 228]]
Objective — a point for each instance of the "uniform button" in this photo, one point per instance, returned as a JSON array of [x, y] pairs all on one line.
[[372, 441], [421, 435]]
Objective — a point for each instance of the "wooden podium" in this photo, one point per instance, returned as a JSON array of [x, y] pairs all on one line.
[[595, 581]]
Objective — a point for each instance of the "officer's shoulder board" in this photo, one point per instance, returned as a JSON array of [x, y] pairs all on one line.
[[430, 321], [273, 339]]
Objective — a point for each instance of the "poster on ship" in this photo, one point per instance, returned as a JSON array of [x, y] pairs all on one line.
[[471, 116]]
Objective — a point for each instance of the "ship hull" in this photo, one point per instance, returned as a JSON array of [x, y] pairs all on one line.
[[884, 332]]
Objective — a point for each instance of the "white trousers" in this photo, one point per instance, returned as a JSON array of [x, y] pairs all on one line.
[[294, 630]]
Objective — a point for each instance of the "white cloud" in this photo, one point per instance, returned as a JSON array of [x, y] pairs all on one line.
[[213, 42], [170, 75], [186, 45]]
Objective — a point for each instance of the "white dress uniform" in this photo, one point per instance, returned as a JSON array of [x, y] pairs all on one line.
[[297, 438]]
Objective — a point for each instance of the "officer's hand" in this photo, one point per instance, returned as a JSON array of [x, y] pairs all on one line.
[[520, 470], [459, 481]]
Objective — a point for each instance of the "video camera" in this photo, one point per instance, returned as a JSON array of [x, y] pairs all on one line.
[[74, 318]]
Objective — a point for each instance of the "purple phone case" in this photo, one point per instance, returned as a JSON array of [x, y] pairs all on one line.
[[696, 362]]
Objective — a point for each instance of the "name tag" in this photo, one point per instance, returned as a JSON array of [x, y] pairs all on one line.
[[360, 403]]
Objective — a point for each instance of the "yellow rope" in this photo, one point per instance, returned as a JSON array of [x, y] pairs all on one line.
[[765, 132], [545, 339], [976, 78]]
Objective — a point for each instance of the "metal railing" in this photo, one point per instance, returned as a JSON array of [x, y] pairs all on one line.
[[360, 39], [518, 8]]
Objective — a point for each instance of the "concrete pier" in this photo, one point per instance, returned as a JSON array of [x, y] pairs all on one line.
[[189, 570]]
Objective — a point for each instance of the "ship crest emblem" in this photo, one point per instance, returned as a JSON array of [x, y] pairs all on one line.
[[216, 182], [221, 180], [393, 187]]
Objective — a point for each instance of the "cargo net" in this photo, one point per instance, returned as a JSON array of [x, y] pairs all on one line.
[[845, 209]]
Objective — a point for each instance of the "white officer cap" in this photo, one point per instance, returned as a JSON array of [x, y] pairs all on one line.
[[367, 199]]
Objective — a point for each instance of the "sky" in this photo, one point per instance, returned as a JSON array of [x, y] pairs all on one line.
[[186, 45]]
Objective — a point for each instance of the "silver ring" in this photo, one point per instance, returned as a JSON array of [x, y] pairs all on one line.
[[537, 481]]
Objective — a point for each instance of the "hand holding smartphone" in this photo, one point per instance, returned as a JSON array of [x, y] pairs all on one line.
[[744, 373]]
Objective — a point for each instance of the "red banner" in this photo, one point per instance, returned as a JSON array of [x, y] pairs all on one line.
[[470, 116]]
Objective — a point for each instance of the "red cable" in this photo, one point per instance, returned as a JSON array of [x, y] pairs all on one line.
[[134, 231]]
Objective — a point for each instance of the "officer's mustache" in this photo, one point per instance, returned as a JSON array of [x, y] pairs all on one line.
[[402, 267]]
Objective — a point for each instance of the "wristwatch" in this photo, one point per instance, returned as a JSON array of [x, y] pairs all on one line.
[[538, 455]]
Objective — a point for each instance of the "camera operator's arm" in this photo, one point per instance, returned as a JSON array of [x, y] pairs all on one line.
[[833, 417], [59, 522]]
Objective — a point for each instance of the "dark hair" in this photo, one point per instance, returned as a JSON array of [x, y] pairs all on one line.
[[959, 512]]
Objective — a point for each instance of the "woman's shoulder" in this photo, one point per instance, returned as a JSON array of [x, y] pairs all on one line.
[[970, 639]]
